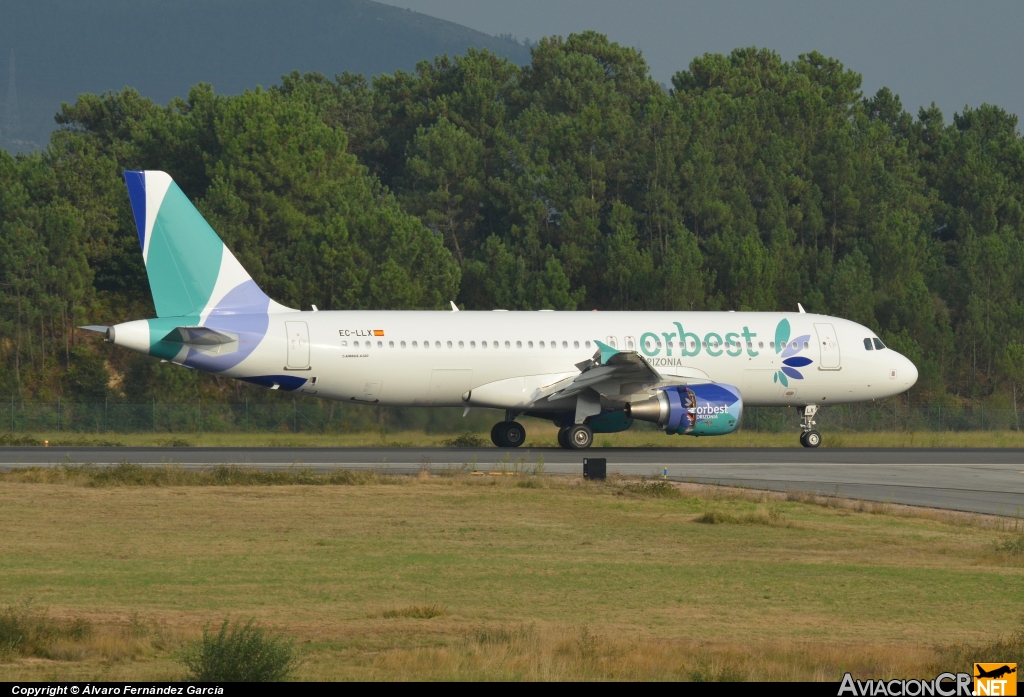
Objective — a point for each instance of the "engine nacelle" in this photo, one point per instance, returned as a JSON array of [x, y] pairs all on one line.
[[706, 409]]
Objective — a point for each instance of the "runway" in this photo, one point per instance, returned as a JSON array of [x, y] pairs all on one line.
[[977, 480]]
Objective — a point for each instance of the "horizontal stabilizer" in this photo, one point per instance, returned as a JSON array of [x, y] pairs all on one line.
[[96, 328]]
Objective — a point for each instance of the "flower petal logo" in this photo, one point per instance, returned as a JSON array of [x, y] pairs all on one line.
[[789, 350]]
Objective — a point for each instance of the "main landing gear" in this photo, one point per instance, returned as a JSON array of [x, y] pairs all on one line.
[[508, 433], [575, 437], [809, 438]]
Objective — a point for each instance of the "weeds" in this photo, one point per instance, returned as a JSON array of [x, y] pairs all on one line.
[[416, 612], [28, 632], [10, 440], [1013, 546], [239, 653], [962, 657], [129, 474], [772, 515], [654, 489], [465, 440]]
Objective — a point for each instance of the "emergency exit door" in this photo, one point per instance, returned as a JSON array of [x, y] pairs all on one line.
[[829, 346], [298, 345]]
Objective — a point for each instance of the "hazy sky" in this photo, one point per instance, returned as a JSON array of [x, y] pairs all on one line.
[[952, 53]]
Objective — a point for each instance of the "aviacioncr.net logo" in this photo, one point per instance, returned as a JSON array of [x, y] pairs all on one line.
[[789, 350]]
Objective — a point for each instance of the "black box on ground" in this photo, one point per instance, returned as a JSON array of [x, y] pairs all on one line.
[[595, 467]]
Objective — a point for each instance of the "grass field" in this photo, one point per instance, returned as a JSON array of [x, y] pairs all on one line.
[[524, 577], [539, 435]]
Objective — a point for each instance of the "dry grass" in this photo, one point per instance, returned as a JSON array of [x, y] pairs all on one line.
[[540, 434], [522, 577]]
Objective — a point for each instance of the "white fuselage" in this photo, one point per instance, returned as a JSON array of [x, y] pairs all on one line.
[[503, 359]]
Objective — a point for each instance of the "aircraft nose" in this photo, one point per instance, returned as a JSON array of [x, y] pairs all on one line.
[[910, 370]]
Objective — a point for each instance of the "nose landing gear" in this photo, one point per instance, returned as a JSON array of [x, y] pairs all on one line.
[[809, 438]]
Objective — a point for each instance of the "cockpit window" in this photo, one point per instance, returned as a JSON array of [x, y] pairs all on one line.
[[867, 345], [878, 344]]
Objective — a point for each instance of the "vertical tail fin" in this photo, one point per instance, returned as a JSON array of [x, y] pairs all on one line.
[[191, 271]]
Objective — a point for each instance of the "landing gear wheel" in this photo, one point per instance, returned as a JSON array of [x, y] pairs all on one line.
[[563, 441], [811, 439], [803, 434], [579, 436], [508, 434], [513, 434]]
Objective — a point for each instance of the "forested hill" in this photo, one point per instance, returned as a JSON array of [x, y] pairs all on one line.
[[66, 47], [576, 182]]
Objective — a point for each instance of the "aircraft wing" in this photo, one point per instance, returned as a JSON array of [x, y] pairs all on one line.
[[607, 371]]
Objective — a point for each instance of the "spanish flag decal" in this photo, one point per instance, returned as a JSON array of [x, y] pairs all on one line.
[[378, 332]]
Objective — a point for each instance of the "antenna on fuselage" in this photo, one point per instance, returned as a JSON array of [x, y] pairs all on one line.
[[801, 308]]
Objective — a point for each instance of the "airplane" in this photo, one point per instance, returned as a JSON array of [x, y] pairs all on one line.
[[691, 373]]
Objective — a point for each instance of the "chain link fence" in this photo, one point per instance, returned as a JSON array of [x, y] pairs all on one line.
[[320, 416]]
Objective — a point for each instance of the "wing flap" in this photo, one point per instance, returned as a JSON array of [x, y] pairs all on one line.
[[607, 369]]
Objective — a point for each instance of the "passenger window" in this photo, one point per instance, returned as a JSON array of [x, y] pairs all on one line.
[[472, 344], [541, 344], [554, 344], [612, 341], [391, 344], [483, 344], [345, 343], [750, 344], [807, 345], [586, 344], [426, 344], [760, 344], [771, 344], [630, 343], [867, 345], [519, 344], [704, 344], [878, 344], [355, 344], [403, 344], [529, 344], [575, 344], [414, 344], [565, 344], [449, 344], [508, 345], [380, 344]]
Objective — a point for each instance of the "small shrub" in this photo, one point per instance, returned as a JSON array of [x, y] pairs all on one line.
[[960, 656], [655, 489], [714, 518], [416, 612], [506, 635], [239, 653], [772, 516], [465, 440], [11, 440], [1013, 546], [31, 633]]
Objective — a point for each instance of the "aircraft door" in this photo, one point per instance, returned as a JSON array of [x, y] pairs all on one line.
[[829, 345], [298, 345]]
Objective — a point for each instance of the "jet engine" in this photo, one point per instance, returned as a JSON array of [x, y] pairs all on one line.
[[706, 409]]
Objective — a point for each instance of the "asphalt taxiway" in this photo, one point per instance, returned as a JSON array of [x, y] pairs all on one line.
[[978, 480]]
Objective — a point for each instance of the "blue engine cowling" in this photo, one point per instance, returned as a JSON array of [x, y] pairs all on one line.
[[707, 409]]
